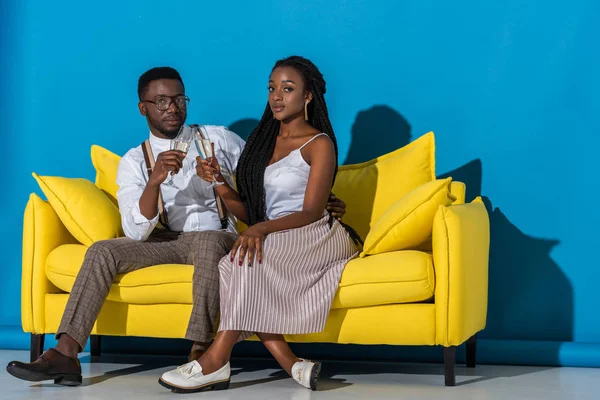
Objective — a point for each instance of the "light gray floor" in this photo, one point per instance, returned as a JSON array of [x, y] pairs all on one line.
[[128, 377]]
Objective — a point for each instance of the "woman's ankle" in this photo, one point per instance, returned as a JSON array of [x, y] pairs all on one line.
[[212, 362], [287, 367]]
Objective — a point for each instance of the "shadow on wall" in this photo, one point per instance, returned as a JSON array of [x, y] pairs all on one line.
[[377, 131], [530, 298], [244, 127]]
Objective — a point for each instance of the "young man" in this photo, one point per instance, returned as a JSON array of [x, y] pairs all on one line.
[[194, 233]]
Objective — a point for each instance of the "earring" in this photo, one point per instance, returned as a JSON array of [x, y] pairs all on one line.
[[306, 110]]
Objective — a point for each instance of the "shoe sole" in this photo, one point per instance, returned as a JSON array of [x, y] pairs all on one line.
[[314, 375], [59, 379], [220, 385]]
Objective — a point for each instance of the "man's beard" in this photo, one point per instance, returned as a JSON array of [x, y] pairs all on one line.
[[170, 133]]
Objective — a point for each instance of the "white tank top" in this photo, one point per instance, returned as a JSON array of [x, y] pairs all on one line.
[[285, 183]]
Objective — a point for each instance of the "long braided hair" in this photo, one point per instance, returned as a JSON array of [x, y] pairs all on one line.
[[261, 142]]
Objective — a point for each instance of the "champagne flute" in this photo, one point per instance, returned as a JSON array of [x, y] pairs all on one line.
[[181, 143], [204, 146]]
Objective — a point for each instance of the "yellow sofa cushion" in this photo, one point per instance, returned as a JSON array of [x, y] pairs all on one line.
[[407, 224], [167, 283], [370, 188], [106, 164], [83, 208], [388, 278], [371, 281]]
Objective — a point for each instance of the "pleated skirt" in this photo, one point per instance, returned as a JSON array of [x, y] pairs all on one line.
[[292, 290]]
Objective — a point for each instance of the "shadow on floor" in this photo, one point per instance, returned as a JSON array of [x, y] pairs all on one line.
[[464, 375], [333, 375]]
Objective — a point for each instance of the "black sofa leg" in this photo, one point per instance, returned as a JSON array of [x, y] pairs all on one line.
[[449, 361], [471, 351], [37, 347], [96, 345]]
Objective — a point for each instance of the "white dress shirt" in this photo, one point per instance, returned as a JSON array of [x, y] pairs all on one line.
[[190, 204]]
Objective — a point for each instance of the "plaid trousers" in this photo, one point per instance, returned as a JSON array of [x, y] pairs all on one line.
[[105, 259]]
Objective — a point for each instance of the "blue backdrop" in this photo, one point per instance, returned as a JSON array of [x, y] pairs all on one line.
[[510, 88]]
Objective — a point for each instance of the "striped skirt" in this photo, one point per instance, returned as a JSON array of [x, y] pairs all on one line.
[[292, 290]]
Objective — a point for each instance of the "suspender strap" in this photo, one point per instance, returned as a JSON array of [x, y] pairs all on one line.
[[222, 214], [220, 203], [149, 158]]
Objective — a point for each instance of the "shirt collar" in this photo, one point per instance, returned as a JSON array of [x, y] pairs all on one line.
[[159, 142]]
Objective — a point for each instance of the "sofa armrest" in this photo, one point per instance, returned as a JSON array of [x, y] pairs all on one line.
[[461, 240], [42, 232]]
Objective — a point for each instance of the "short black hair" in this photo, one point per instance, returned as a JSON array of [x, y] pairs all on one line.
[[155, 74]]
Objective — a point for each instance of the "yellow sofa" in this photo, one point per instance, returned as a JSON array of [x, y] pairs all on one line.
[[433, 294]]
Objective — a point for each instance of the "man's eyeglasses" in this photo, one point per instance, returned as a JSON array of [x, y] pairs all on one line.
[[163, 103]]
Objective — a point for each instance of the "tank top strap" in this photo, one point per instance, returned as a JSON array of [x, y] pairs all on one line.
[[311, 139]]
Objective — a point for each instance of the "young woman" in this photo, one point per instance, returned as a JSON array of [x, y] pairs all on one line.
[[284, 270]]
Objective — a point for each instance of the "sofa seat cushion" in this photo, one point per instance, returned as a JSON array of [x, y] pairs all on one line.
[[167, 283], [389, 278]]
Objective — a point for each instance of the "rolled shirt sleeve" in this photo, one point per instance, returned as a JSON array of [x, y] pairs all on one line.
[[132, 182]]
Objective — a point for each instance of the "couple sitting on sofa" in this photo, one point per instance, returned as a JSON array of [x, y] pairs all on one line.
[[277, 277]]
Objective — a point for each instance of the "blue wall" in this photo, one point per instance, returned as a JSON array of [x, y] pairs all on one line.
[[510, 88]]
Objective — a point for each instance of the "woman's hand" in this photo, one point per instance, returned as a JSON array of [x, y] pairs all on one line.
[[250, 242], [336, 206], [208, 168]]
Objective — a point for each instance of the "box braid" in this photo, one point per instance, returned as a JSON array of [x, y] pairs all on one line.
[[261, 143]]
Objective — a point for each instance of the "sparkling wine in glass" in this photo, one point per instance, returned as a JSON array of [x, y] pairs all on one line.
[[205, 148], [181, 143]]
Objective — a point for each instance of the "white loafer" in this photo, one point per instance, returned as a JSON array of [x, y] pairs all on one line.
[[189, 378], [306, 373]]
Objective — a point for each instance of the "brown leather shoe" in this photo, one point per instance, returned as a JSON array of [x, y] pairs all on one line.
[[50, 365]]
